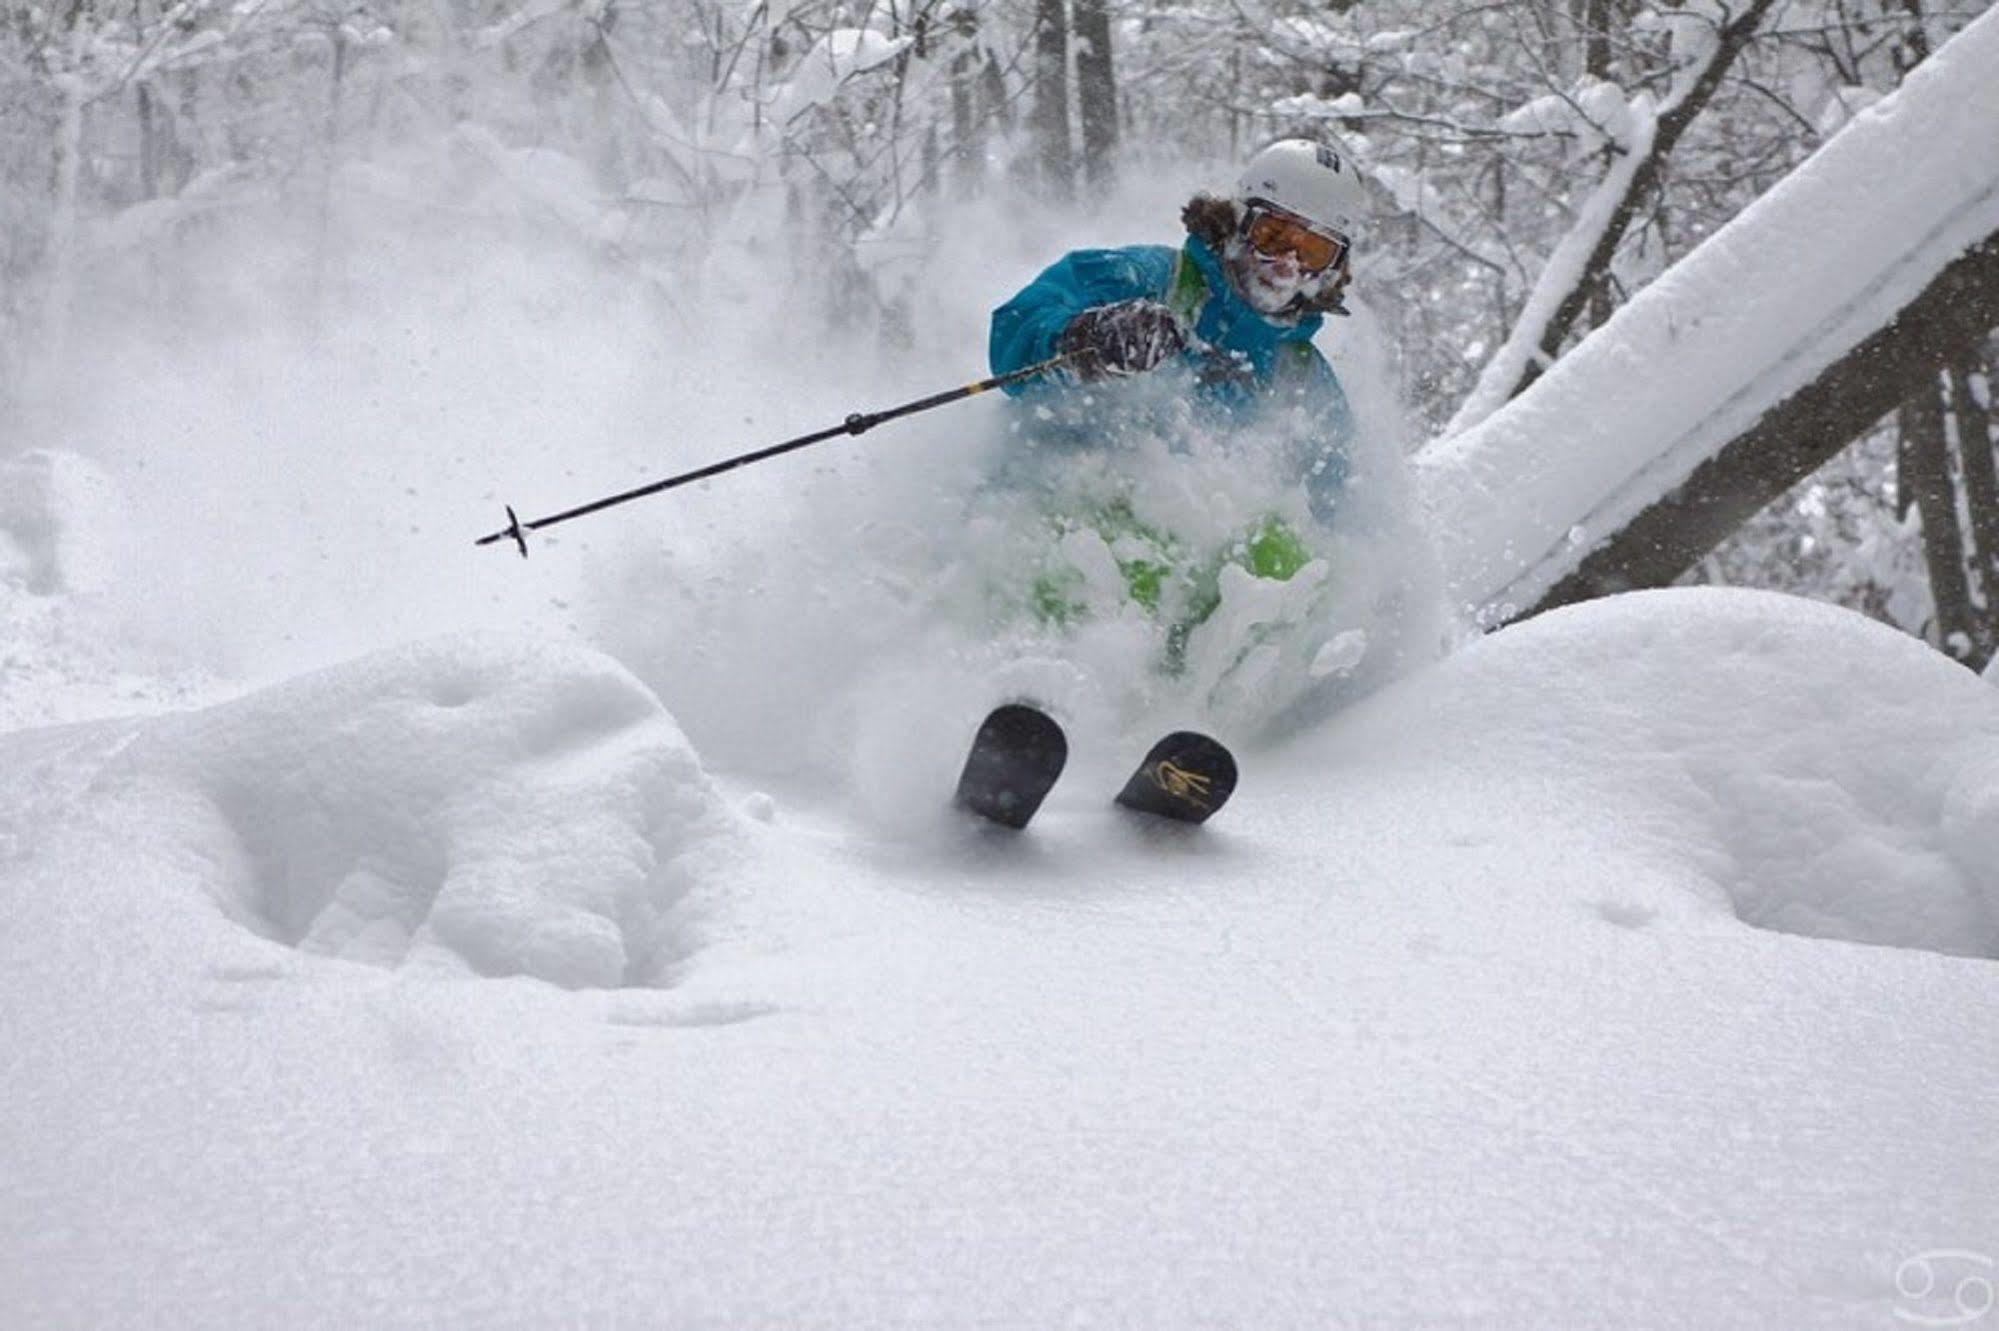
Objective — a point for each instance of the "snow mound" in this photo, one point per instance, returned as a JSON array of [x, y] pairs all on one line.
[[472, 804], [1827, 775]]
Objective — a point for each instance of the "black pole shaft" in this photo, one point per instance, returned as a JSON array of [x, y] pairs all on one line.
[[859, 423]]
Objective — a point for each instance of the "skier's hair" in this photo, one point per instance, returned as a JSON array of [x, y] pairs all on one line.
[[1214, 221], [1211, 220]]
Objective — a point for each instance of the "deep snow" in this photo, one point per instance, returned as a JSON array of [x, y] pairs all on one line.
[[448, 937], [1450, 1020]]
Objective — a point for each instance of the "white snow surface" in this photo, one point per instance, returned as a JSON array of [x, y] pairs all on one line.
[[445, 986], [1754, 314]]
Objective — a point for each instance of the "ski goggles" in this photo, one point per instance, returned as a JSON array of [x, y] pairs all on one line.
[[1272, 231]]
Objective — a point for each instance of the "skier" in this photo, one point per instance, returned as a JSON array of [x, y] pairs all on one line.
[[1226, 323], [1228, 317], [1238, 303]]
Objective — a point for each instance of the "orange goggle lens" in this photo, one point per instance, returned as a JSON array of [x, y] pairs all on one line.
[[1279, 233]]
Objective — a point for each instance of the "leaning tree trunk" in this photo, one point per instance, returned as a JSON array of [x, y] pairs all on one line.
[[1898, 366]]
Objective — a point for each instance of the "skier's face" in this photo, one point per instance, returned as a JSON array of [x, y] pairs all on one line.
[[1278, 263], [1275, 285], [1271, 283]]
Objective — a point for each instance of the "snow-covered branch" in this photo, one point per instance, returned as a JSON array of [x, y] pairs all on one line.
[[1582, 261]]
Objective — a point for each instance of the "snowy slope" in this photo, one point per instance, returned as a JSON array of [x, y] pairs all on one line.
[[1789, 285], [1451, 1021]]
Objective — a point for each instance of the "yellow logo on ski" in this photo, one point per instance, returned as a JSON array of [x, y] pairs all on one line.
[[1182, 784]]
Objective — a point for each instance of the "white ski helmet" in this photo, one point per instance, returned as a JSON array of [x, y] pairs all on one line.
[[1317, 182]]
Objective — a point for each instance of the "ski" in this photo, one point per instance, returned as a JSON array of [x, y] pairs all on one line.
[[1187, 777], [1016, 756]]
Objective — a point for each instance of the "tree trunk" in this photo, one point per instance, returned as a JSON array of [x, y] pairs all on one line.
[[1980, 475], [65, 179], [1921, 422], [1054, 159], [149, 142], [1096, 92], [968, 127], [1915, 37], [329, 155], [1594, 16], [159, 150], [992, 93], [597, 64]]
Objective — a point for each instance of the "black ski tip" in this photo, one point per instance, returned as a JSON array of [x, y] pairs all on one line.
[[1187, 777], [1016, 756]]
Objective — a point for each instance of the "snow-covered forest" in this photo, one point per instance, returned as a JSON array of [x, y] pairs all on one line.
[[401, 933], [1536, 163]]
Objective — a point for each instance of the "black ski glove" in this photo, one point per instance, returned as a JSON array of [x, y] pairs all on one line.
[[1127, 338]]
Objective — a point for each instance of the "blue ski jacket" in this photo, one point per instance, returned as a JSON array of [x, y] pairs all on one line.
[[1240, 362]]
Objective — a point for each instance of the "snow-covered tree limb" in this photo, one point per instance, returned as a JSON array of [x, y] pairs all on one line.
[[1787, 443], [1582, 261]]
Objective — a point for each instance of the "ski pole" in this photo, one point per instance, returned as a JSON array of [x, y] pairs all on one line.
[[858, 423]]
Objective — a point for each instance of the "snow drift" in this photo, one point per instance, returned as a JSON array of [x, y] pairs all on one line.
[[1822, 773], [1449, 1021], [473, 804]]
